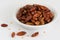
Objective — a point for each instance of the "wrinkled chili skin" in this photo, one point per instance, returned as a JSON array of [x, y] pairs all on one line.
[[35, 15]]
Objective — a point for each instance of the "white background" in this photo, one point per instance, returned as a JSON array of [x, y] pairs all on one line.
[[8, 7]]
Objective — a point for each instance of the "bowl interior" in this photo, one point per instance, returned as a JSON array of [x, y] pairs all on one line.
[[52, 10]]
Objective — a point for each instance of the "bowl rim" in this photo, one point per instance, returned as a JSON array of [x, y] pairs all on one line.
[[54, 19]]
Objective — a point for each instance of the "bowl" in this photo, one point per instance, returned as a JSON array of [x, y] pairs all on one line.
[[34, 27]]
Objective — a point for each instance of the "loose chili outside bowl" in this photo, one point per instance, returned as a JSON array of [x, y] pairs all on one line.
[[31, 27]]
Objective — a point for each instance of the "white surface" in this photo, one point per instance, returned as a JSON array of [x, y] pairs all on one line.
[[8, 7]]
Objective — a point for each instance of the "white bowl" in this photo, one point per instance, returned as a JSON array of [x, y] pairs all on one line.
[[31, 27]]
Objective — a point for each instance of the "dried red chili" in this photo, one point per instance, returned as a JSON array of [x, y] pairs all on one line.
[[21, 33], [13, 34], [4, 25], [35, 34]]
